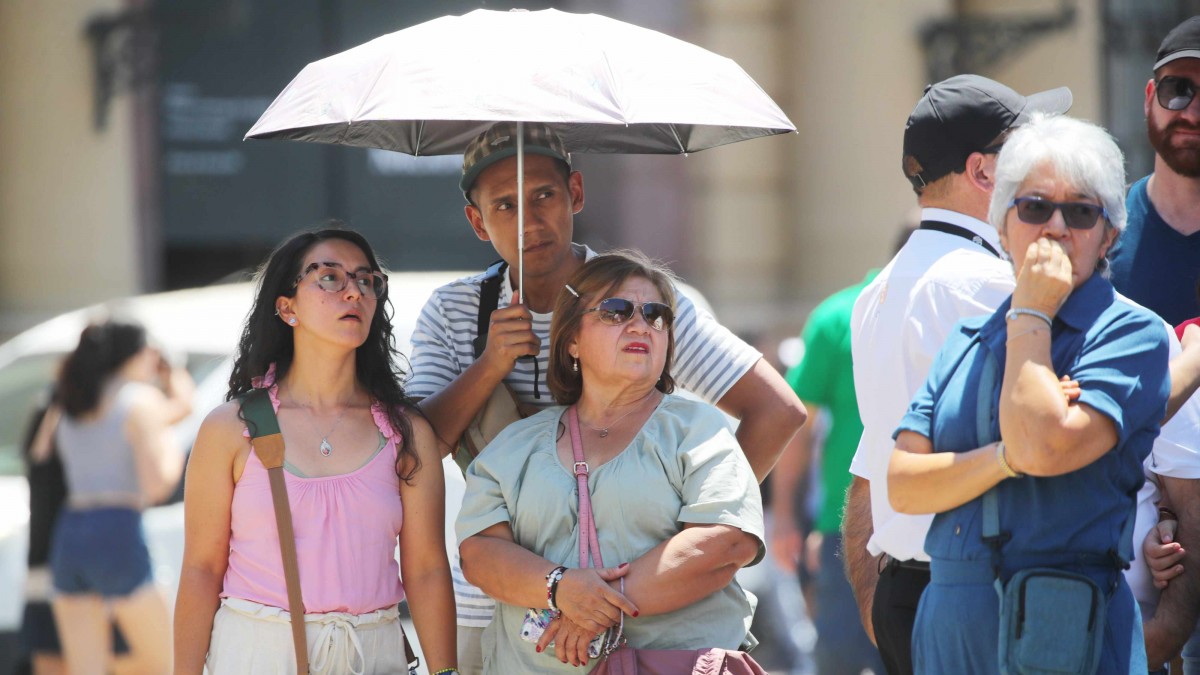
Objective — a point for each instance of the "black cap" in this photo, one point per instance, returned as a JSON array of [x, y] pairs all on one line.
[[1183, 42], [964, 114]]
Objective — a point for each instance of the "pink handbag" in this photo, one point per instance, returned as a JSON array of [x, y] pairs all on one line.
[[618, 658]]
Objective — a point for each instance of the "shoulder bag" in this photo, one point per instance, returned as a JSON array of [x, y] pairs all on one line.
[[267, 442], [1051, 620], [617, 657]]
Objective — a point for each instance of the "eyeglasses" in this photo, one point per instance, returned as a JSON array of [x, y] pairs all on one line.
[[1174, 92], [1076, 215], [616, 311], [331, 278]]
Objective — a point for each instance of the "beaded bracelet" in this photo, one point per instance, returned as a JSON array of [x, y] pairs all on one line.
[[552, 580], [445, 671], [1003, 462]]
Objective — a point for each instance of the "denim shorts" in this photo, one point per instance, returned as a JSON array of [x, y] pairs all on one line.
[[100, 551]]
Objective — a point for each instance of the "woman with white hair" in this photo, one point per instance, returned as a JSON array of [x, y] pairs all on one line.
[[1034, 492]]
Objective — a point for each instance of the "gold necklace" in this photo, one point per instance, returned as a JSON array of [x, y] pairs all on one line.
[[637, 406]]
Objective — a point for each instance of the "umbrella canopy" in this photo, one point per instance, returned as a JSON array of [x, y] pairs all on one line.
[[603, 85]]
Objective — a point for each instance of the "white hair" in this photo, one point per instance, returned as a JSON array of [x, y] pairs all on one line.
[[1082, 153]]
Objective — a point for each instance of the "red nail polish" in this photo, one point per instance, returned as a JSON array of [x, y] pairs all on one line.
[[635, 614], [538, 649]]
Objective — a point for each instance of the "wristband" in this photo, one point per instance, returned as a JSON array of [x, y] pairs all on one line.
[[552, 580], [1018, 311], [1166, 514], [1003, 462]]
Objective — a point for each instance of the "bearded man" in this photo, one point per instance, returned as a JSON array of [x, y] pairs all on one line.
[[1156, 261]]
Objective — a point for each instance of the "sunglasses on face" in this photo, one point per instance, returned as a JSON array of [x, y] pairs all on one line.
[[616, 311], [1076, 215], [334, 279], [1174, 92]]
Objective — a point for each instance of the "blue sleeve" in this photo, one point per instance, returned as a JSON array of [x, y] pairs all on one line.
[[1122, 372], [919, 417]]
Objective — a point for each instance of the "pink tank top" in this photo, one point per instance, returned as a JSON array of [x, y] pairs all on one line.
[[346, 534]]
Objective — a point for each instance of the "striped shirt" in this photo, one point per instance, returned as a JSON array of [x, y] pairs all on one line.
[[709, 359]]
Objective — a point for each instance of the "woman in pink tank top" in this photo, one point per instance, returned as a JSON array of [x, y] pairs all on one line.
[[363, 475]]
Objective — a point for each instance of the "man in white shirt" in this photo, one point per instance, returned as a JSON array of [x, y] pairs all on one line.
[[951, 268]]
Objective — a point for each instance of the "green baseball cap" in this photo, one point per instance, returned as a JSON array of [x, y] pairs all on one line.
[[500, 142]]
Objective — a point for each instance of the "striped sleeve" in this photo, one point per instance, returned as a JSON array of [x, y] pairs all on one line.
[[436, 360], [709, 358]]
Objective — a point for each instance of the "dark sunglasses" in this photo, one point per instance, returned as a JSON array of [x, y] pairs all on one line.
[[1076, 215], [616, 311], [1174, 92], [334, 279]]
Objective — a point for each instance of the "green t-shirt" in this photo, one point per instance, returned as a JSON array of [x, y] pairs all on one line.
[[825, 376]]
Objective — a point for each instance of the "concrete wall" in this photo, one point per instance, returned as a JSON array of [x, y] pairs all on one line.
[[783, 222], [67, 210], [766, 228]]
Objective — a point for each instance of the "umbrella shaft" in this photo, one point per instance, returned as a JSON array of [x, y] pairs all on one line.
[[520, 212]]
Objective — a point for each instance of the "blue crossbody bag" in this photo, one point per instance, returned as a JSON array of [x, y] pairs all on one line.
[[1051, 620]]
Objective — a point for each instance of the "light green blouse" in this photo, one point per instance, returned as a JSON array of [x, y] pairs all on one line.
[[684, 466]]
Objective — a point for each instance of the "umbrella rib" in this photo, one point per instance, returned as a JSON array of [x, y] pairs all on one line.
[[420, 136], [367, 95], [678, 141]]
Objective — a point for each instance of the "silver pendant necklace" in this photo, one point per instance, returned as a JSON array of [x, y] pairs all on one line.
[[638, 406], [326, 448]]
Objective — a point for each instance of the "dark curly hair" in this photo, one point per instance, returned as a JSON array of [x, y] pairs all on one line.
[[103, 349], [594, 281], [266, 340]]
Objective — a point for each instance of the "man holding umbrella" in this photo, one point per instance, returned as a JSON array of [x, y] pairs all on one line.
[[456, 377]]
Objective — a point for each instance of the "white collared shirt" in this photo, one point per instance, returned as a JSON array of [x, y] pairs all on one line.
[[899, 323]]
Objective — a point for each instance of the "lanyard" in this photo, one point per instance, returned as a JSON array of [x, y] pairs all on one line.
[[958, 231]]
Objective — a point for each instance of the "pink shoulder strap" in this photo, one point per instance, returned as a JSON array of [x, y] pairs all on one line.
[[589, 542]]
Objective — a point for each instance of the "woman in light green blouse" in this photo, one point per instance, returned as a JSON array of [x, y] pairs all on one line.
[[677, 508]]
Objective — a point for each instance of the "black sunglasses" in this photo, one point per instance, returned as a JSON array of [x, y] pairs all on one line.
[[1076, 215], [1174, 92], [616, 311]]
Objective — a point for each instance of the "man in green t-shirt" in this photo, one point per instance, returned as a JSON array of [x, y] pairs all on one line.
[[824, 379]]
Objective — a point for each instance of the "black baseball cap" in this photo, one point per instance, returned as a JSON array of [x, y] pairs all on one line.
[[962, 115], [1183, 42]]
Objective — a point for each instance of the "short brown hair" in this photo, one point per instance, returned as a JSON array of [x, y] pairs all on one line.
[[594, 281]]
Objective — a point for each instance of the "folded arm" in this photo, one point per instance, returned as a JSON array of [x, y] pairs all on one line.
[[514, 575], [921, 481], [1045, 434], [690, 566]]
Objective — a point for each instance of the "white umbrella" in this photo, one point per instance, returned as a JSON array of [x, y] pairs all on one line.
[[603, 85]]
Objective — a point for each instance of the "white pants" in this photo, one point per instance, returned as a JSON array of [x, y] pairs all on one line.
[[251, 638]]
